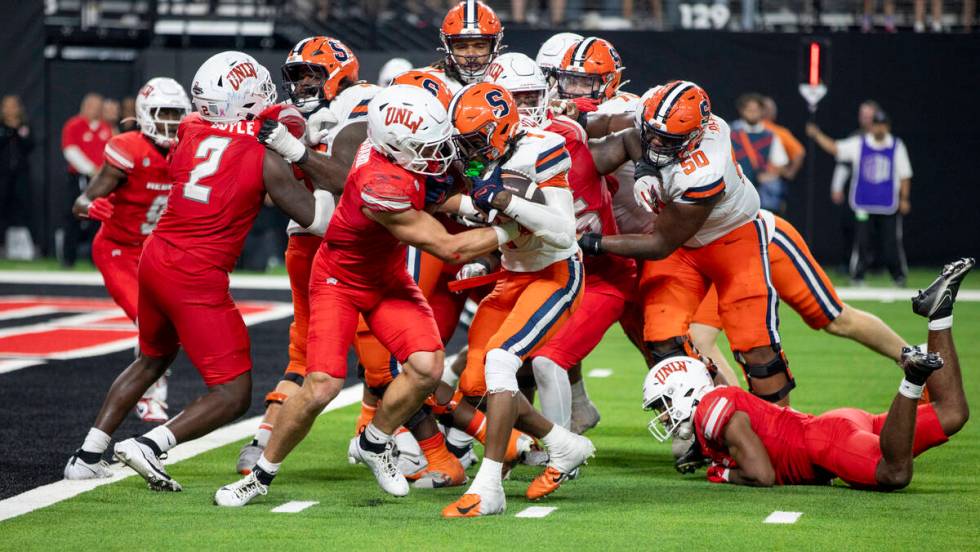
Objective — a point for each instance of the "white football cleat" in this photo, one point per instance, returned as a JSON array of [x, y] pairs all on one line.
[[144, 462], [469, 459], [585, 416], [410, 458], [240, 492], [383, 467], [78, 469], [247, 457]]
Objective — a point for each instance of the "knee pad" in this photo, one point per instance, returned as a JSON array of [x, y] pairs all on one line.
[[501, 371], [681, 346], [275, 397], [293, 377], [420, 415], [776, 366]]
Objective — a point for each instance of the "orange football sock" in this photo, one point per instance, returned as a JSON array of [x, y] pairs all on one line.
[[366, 416], [441, 460], [477, 427]]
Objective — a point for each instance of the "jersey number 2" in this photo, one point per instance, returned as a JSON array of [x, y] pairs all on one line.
[[210, 150]]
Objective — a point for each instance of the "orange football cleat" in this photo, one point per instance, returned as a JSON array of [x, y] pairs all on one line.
[[545, 484], [468, 505]]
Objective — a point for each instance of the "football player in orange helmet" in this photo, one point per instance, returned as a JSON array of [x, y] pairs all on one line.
[[471, 37], [316, 70], [428, 81], [536, 293], [707, 229], [590, 68]]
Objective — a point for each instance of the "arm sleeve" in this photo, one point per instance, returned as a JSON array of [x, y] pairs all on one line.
[[553, 222], [903, 167]]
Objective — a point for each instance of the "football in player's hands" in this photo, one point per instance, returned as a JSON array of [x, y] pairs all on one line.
[[100, 209], [520, 185]]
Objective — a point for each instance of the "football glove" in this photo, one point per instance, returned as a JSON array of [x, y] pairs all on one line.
[[473, 270], [591, 243], [718, 473], [275, 136], [318, 126], [692, 460], [643, 193], [485, 189], [437, 189], [100, 209]]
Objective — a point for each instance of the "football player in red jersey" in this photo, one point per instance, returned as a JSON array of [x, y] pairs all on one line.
[[753, 442], [361, 270], [221, 174], [128, 195], [609, 281], [320, 76]]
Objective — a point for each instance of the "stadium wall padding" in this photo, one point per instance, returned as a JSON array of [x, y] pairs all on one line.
[[927, 83]]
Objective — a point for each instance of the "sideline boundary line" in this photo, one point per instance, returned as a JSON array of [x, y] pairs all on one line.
[[53, 493]]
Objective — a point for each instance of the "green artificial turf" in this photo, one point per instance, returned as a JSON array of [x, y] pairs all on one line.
[[628, 497]]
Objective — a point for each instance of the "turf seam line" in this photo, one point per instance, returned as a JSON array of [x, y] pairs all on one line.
[[53, 493]]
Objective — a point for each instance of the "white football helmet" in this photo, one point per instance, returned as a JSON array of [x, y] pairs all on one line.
[[391, 69], [160, 105], [521, 76], [673, 388], [411, 126], [230, 87], [553, 50]]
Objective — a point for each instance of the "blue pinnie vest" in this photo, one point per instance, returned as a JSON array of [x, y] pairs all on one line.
[[751, 149], [874, 188]]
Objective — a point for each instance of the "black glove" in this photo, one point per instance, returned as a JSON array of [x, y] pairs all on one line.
[[437, 189], [692, 460], [266, 130], [591, 243], [484, 190]]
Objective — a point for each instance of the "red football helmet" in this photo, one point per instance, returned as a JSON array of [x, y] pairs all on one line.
[[486, 121], [469, 20], [672, 120], [314, 70], [590, 68]]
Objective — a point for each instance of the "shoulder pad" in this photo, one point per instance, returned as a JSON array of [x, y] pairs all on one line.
[[122, 150], [550, 156], [351, 104]]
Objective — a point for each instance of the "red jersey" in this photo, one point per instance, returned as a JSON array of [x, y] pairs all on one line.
[[781, 430], [90, 137], [358, 251], [593, 204], [141, 199], [218, 190]]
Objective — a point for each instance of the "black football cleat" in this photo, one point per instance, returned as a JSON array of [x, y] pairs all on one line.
[[936, 301], [918, 366]]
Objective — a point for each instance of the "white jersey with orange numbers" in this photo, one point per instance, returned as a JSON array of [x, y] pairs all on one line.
[[541, 157], [622, 102], [452, 84], [708, 172], [630, 217], [348, 107]]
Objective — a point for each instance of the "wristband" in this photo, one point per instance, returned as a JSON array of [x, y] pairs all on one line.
[[910, 390], [944, 323]]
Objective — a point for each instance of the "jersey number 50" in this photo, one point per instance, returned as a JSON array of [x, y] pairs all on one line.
[[210, 150]]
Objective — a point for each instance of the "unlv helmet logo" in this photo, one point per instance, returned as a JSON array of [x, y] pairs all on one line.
[[146, 91], [494, 71], [668, 369], [239, 73], [402, 116]]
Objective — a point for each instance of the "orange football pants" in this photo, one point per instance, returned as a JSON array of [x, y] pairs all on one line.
[[798, 278], [521, 313]]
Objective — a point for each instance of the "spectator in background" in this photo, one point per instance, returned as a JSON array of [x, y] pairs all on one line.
[[869, 8], [83, 139], [920, 16], [111, 114], [759, 152], [16, 143], [128, 121], [881, 184], [794, 149]]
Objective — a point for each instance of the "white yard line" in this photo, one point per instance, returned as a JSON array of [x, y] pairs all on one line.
[[535, 511], [599, 373], [46, 495], [785, 518], [294, 506]]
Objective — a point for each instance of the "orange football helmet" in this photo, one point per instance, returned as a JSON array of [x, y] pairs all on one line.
[[486, 121], [426, 81], [591, 67], [470, 19], [672, 120], [314, 70]]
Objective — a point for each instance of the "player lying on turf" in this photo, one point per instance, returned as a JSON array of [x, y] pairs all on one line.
[[127, 196], [221, 174], [752, 442], [360, 270]]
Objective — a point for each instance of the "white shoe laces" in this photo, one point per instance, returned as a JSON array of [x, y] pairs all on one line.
[[387, 463], [248, 487]]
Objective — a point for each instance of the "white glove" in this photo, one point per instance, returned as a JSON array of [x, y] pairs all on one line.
[[642, 193], [319, 125], [472, 270], [275, 136]]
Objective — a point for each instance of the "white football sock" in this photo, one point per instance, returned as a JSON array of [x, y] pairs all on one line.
[[268, 467], [557, 437], [554, 391], [488, 477], [375, 435], [162, 436], [96, 441]]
